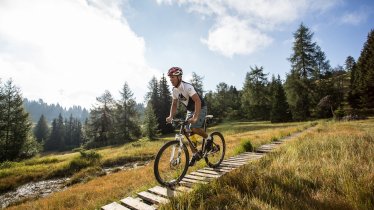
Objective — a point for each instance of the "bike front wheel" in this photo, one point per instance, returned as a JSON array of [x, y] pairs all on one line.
[[215, 156], [171, 163]]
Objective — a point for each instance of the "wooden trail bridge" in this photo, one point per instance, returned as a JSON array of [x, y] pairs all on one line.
[[157, 195]]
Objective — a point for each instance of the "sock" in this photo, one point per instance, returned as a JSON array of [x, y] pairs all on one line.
[[208, 138]]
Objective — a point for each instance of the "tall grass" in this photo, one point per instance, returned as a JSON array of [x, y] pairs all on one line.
[[331, 168]]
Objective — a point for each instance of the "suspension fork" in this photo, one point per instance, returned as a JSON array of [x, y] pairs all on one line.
[[179, 137]]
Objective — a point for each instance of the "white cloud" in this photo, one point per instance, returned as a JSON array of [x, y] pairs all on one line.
[[232, 36], [354, 18], [70, 51], [253, 18]]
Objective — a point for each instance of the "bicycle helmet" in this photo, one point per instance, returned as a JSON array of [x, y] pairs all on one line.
[[175, 71]]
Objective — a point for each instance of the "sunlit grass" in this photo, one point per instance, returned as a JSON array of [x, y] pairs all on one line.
[[329, 168], [103, 190]]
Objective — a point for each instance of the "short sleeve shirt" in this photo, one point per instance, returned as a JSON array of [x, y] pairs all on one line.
[[184, 93]]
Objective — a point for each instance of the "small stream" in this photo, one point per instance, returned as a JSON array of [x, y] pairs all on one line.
[[44, 188]]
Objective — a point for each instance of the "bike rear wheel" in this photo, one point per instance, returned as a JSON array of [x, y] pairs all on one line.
[[215, 157], [171, 163]]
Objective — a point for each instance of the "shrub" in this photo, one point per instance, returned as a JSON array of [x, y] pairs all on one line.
[[339, 114], [87, 158], [245, 146]]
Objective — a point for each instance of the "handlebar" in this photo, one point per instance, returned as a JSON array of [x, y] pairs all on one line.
[[179, 121]]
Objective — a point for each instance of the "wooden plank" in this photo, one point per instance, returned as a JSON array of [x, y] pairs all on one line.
[[136, 204], [242, 157], [253, 153], [219, 169], [198, 178], [114, 206], [194, 181], [163, 191], [225, 167], [205, 175], [232, 163], [150, 197], [239, 159], [267, 147], [236, 161], [210, 172], [186, 184]]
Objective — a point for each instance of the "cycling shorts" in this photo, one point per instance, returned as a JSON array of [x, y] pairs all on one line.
[[200, 122]]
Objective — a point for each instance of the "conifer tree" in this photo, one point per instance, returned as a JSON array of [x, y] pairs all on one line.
[[127, 117], [14, 123], [255, 96], [364, 75], [353, 95], [150, 125], [41, 130], [303, 70], [197, 82], [56, 141], [100, 126], [280, 111], [164, 109]]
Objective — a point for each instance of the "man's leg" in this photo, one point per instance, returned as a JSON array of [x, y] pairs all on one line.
[[200, 132]]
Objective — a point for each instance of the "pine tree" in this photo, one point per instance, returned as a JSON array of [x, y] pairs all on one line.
[[255, 97], [322, 65], [14, 123], [304, 51], [304, 71], [72, 133], [56, 141], [100, 127], [41, 130], [353, 95], [150, 125], [350, 64], [164, 109], [221, 102], [197, 82], [153, 98], [280, 111], [127, 127], [364, 75]]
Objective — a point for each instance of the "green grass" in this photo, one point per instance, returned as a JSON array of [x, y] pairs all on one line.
[[329, 168]]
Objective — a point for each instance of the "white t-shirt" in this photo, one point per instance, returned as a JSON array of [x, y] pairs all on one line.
[[183, 93]]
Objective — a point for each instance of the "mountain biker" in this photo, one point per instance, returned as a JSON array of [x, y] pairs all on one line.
[[196, 108]]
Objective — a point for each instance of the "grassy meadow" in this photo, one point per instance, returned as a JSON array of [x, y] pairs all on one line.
[[331, 167], [99, 190]]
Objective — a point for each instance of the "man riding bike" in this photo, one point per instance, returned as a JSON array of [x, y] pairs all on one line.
[[196, 108]]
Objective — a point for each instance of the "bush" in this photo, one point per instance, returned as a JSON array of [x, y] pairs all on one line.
[[245, 146], [339, 114], [87, 158], [8, 164]]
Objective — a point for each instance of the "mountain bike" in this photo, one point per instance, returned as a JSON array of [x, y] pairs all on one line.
[[172, 160]]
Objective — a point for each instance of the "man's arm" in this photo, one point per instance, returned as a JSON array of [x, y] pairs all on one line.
[[173, 110]]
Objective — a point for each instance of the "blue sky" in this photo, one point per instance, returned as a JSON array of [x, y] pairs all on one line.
[[71, 51]]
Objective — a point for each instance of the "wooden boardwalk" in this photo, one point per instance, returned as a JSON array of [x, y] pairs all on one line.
[[157, 195]]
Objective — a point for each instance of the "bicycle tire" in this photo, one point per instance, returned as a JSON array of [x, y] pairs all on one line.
[[168, 172], [213, 160]]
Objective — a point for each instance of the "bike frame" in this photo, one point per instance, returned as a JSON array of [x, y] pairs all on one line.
[[183, 132]]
